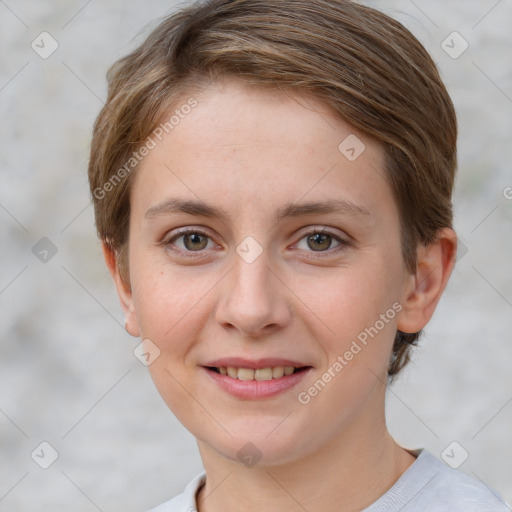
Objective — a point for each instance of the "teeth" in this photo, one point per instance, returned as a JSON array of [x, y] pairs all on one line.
[[259, 374]]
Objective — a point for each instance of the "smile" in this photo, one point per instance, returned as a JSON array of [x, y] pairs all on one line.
[[256, 383]]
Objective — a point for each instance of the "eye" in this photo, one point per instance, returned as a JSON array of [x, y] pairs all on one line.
[[189, 240], [321, 241]]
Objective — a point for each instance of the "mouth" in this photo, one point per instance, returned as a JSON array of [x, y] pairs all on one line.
[[256, 379], [257, 374]]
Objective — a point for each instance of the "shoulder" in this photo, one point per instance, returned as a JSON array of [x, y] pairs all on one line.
[[432, 486], [184, 502], [457, 491]]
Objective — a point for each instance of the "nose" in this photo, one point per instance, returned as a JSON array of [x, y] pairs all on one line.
[[254, 299]]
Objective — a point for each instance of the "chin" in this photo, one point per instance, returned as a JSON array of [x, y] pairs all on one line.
[[259, 442]]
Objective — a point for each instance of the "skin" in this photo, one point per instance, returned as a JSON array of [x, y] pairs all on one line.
[[251, 151]]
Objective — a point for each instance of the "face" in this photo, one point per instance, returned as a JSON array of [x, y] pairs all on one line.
[[256, 243]]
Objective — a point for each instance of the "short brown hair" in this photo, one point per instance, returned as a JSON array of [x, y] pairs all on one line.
[[365, 65]]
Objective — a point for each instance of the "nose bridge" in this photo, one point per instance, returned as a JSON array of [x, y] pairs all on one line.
[[251, 272], [252, 301]]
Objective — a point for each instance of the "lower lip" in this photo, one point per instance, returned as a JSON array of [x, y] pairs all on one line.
[[254, 389]]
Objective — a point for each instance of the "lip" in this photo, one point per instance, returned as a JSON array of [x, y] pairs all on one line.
[[253, 389], [265, 362]]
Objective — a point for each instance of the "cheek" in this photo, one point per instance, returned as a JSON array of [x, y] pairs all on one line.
[[349, 300], [358, 309], [171, 309], [168, 303]]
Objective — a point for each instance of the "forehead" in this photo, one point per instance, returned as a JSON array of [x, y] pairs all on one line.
[[242, 145]]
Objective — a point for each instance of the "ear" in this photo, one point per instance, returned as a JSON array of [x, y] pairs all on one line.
[[426, 285], [123, 290]]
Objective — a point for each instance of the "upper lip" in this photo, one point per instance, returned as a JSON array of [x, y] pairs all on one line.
[[265, 362]]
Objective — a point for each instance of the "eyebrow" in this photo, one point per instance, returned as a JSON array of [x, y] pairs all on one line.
[[203, 209]]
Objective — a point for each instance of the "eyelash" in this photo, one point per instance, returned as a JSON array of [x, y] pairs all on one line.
[[168, 242]]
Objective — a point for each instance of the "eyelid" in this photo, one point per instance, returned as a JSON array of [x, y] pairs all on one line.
[[334, 232]]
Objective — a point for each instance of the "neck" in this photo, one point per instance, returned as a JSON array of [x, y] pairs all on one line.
[[347, 474]]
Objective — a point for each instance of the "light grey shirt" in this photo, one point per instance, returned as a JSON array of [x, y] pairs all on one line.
[[428, 485]]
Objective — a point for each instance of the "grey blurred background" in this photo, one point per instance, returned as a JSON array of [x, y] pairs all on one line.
[[68, 376]]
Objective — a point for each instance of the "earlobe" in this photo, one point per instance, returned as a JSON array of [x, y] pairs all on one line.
[[123, 290], [435, 263]]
